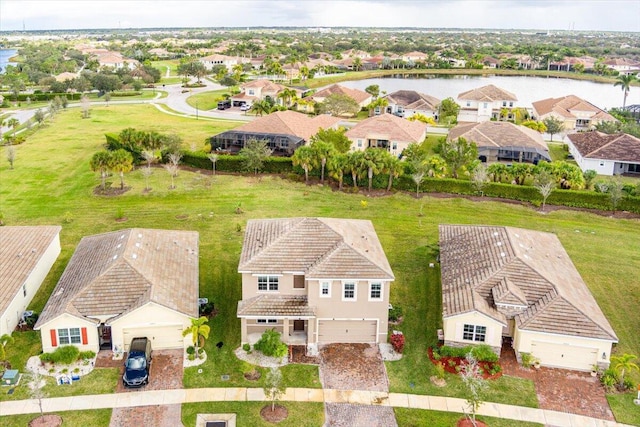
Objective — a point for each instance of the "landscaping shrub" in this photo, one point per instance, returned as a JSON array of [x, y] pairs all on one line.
[[127, 93], [246, 347], [64, 355], [395, 313], [270, 344], [191, 350], [230, 163], [527, 359], [484, 353], [397, 341], [439, 370], [609, 379], [85, 355]]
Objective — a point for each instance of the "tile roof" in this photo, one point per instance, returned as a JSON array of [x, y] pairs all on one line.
[[264, 84], [114, 273], [487, 93], [276, 306], [597, 145], [290, 123], [358, 95], [318, 247], [389, 127], [21, 248], [568, 106], [412, 100], [499, 134], [478, 262]]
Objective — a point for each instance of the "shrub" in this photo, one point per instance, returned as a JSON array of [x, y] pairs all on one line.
[[191, 357], [270, 345], [527, 359], [495, 368], [45, 357], [609, 379], [439, 370], [395, 313], [628, 384], [85, 355], [64, 355], [191, 350], [436, 354], [246, 347], [484, 353], [397, 341], [446, 351]]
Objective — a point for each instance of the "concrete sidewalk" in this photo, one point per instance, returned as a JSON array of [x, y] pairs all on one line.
[[398, 400]]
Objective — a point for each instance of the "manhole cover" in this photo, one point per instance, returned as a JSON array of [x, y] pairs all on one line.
[[224, 377]]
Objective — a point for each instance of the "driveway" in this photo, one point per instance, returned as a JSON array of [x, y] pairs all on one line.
[[166, 373], [355, 367]]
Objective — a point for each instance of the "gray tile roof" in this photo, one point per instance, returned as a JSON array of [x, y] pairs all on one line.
[[276, 306], [499, 134], [21, 248], [412, 100], [620, 147], [389, 127], [114, 273], [316, 247], [482, 262]]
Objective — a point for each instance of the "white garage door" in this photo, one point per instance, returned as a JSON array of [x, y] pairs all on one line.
[[162, 337], [564, 355], [347, 331]]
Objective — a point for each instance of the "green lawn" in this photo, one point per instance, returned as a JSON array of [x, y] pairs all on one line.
[[52, 184], [625, 411], [93, 418], [207, 100], [248, 413], [421, 417], [557, 151]]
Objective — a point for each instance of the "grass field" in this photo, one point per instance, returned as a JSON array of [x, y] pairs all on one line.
[[248, 413], [94, 418], [52, 184], [420, 417]]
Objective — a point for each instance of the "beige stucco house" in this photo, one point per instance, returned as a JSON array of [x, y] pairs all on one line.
[[386, 131], [504, 282], [576, 113], [315, 280], [256, 90], [484, 103], [406, 103], [124, 284], [27, 253]]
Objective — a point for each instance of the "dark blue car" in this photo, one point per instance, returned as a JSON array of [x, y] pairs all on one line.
[[136, 367]]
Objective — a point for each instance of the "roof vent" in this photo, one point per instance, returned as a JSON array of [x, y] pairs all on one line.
[[139, 235], [502, 254], [60, 291], [499, 243], [517, 235], [495, 233], [122, 237], [33, 250], [137, 244], [134, 256], [118, 245], [115, 256]]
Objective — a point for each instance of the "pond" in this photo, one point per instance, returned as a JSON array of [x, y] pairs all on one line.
[[5, 55], [526, 88]]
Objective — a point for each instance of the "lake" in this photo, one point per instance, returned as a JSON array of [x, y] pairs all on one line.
[[527, 89], [5, 54]]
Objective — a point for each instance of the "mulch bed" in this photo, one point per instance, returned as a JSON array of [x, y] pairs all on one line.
[[279, 413], [465, 422], [298, 354], [49, 420], [110, 191], [453, 364]]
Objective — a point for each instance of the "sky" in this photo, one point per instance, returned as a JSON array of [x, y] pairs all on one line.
[[597, 15]]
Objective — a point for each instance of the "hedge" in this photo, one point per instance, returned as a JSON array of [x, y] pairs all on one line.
[[42, 96], [231, 163]]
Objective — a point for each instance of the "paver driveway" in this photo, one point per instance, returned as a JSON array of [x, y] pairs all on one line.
[[356, 367]]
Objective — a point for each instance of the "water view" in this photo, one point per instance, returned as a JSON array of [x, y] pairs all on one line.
[[527, 89], [5, 55]]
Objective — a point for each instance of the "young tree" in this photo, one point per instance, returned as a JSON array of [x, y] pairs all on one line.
[[214, 159], [172, 169], [13, 123], [448, 111], [418, 176], [199, 332], [457, 154], [340, 105], [475, 384], [85, 104], [304, 157], [121, 161], [36, 391], [39, 116], [419, 117], [394, 167], [479, 177], [336, 137], [107, 98], [148, 157], [254, 154], [623, 364], [543, 182], [554, 126], [100, 162], [378, 103], [589, 175], [146, 173], [322, 151], [273, 387], [337, 165], [624, 81], [5, 340], [373, 90], [615, 192], [11, 155]]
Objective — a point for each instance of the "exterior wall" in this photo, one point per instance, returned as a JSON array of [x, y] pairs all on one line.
[[68, 321], [11, 316], [149, 315], [285, 286], [361, 144], [602, 167], [522, 343], [453, 330], [475, 111], [334, 307]]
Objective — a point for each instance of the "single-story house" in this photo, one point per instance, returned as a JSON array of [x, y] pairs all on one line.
[[406, 103], [124, 284], [576, 113], [503, 141], [484, 103], [505, 282], [283, 130], [386, 131], [361, 97], [27, 253], [606, 154], [315, 280], [257, 90]]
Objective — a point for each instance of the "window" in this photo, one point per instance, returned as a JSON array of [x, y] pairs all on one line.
[[251, 92], [69, 336], [504, 103], [395, 145], [349, 291], [264, 321], [359, 143], [474, 333], [375, 291], [298, 282], [468, 103], [325, 289], [485, 105], [511, 104], [267, 283], [601, 163]]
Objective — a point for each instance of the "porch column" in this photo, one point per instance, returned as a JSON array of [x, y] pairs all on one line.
[[311, 331], [285, 330], [243, 330]]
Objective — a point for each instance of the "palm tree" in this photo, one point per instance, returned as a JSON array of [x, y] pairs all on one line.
[[337, 165], [287, 95], [357, 63], [373, 161], [199, 332], [394, 167], [121, 161], [304, 157], [624, 81], [237, 72], [4, 340], [261, 107], [323, 150], [624, 364], [100, 163], [354, 165]]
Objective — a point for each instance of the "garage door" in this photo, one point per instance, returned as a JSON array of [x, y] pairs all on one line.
[[162, 337], [564, 355], [347, 331]]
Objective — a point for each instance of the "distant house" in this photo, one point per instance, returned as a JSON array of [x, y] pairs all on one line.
[[115, 60], [623, 65], [503, 141], [315, 280], [27, 253], [125, 284], [361, 97], [386, 131], [406, 103], [216, 59], [160, 53], [257, 90], [66, 76], [606, 154], [576, 113], [490, 62], [520, 285], [283, 130], [414, 56], [484, 103]]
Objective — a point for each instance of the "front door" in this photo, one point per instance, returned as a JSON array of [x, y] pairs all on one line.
[[298, 325], [104, 332]]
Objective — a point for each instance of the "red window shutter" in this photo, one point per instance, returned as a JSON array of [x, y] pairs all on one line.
[[54, 338], [85, 341]]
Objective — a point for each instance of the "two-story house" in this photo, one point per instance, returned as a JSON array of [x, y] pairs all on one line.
[[388, 132], [257, 90], [406, 103], [484, 103], [315, 280], [576, 113]]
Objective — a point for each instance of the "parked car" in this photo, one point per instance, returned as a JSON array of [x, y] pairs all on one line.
[[245, 107], [136, 367], [223, 105]]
